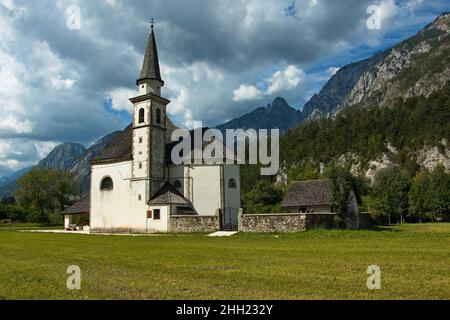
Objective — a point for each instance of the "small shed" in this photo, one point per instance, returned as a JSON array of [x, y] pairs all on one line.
[[78, 211], [309, 197]]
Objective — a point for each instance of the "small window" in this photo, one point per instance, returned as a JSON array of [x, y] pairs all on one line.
[[177, 184], [232, 184], [141, 116], [158, 116], [157, 214], [140, 165], [106, 184], [140, 140], [139, 197]]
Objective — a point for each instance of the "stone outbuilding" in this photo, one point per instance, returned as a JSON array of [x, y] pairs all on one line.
[[309, 197], [77, 213]]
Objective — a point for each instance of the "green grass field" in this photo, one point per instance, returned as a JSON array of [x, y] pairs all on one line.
[[414, 259]]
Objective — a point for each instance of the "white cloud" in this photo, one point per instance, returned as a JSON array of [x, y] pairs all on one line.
[[120, 99], [388, 10], [43, 148], [178, 104], [279, 82], [59, 83], [10, 123], [247, 92], [332, 71], [413, 4], [196, 91], [285, 80]]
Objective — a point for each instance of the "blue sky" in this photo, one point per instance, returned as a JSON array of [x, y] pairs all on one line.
[[219, 60]]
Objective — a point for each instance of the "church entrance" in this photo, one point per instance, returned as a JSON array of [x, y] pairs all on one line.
[[230, 219]]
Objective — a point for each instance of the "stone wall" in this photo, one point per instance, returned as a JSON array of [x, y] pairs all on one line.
[[365, 220], [194, 224], [284, 222]]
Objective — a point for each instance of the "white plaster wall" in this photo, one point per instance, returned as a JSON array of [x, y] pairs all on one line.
[[161, 225], [111, 209], [232, 196], [140, 152], [206, 189], [67, 220]]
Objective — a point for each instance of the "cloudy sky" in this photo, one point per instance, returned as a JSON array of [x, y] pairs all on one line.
[[68, 77]]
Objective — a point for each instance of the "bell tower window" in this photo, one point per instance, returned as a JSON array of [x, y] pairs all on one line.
[[141, 115], [158, 116]]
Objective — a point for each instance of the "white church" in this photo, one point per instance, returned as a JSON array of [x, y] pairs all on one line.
[[136, 188]]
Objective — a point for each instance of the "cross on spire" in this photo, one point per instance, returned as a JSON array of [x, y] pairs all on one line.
[[150, 67]]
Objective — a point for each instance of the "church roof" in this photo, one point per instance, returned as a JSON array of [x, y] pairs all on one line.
[[120, 149], [80, 207], [150, 66], [168, 194], [219, 145], [308, 193]]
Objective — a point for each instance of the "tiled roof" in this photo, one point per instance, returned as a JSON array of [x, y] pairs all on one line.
[[309, 193], [120, 149], [168, 194], [81, 206]]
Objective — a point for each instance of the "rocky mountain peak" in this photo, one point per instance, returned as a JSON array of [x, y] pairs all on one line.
[[63, 156]]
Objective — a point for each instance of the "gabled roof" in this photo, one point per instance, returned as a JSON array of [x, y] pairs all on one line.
[[150, 66], [83, 206], [215, 144], [168, 194], [120, 149], [309, 193]]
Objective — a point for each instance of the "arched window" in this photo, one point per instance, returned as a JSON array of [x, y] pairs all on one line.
[[232, 184], [158, 116], [106, 184], [141, 116], [177, 184]]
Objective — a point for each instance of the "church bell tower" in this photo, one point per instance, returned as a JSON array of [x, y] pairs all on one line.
[[149, 123]]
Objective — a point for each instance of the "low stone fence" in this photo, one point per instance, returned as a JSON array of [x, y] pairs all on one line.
[[284, 222], [365, 220], [194, 224]]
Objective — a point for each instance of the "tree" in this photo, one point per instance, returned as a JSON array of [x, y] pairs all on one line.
[[419, 197], [439, 191], [342, 185], [44, 190], [36, 191], [264, 197], [302, 172], [64, 188], [390, 189]]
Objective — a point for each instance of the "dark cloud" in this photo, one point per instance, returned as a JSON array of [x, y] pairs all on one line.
[[207, 50]]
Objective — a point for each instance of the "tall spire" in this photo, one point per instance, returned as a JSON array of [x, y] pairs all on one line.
[[150, 67]]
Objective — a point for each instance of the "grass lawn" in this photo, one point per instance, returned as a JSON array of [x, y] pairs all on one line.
[[414, 259]]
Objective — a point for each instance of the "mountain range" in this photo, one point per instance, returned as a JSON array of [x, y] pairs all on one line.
[[417, 66]]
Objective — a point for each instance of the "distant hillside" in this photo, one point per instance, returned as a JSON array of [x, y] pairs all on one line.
[[82, 168], [8, 184], [69, 156], [415, 67], [414, 134], [63, 156], [277, 115]]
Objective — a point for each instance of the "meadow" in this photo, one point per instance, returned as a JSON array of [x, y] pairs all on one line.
[[319, 264]]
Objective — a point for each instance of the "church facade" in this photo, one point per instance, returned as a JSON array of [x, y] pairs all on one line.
[[135, 186]]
